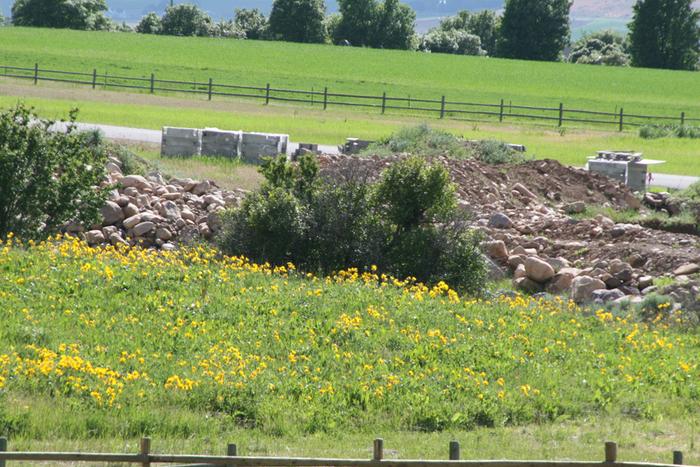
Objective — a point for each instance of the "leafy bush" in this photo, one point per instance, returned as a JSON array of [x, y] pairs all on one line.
[[652, 305], [600, 48], [185, 19], [47, 179], [672, 130], [405, 224], [451, 42], [420, 140], [251, 22], [495, 152]]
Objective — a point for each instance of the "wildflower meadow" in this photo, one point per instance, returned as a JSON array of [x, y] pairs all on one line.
[[120, 342]]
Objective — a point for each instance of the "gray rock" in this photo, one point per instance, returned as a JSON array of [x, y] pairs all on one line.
[[538, 270], [94, 237], [143, 228], [605, 296], [135, 181], [527, 285], [582, 288], [498, 220], [131, 222], [130, 210], [201, 188], [496, 249], [687, 269], [576, 207], [111, 213]]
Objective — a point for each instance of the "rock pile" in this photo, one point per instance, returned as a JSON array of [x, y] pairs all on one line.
[[533, 215], [151, 212]]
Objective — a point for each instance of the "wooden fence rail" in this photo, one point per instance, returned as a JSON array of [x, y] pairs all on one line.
[[146, 458], [441, 108]]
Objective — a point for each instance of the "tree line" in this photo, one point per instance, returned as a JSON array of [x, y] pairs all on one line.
[[662, 33]]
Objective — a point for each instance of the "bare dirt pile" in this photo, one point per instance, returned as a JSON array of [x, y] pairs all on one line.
[[533, 217]]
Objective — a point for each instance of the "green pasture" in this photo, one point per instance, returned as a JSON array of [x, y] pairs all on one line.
[[356, 70]]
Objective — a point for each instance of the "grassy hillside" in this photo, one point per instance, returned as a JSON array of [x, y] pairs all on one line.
[[357, 70], [114, 344]]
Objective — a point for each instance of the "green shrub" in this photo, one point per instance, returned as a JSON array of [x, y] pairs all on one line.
[[495, 152], [421, 141], [47, 179], [405, 224], [652, 305], [673, 130]]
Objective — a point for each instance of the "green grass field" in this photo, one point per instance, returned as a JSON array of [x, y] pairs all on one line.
[[571, 146], [99, 347], [364, 71]]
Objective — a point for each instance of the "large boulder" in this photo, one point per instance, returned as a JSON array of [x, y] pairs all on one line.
[[111, 213], [135, 181], [143, 228], [538, 270], [498, 220], [687, 269], [496, 249], [582, 288]]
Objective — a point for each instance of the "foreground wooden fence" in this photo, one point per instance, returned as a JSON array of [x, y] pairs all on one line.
[[147, 459], [499, 111]]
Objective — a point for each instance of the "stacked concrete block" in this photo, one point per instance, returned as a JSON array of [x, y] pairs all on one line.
[[637, 176], [221, 143], [255, 146], [611, 169], [181, 142]]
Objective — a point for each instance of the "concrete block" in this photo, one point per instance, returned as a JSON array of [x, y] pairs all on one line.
[[181, 142], [255, 146], [221, 143]]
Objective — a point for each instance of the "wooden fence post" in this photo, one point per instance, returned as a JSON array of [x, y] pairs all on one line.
[[561, 113], [36, 73], [622, 112], [153, 82], [678, 457], [3, 448], [610, 452], [454, 450], [145, 452], [94, 78], [267, 94], [682, 118], [383, 102], [442, 107], [231, 451], [378, 449], [325, 98], [500, 114], [209, 90]]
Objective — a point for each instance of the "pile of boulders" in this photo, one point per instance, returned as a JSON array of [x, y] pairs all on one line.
[[535, 272], [152, 212]]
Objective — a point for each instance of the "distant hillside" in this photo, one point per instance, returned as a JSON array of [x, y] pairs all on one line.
[[132, 10]]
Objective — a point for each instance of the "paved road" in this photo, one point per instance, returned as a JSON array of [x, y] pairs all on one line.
[[154, 136], [678, 182]]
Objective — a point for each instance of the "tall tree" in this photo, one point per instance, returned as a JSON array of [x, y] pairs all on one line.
[[298, 20], [70, 14], [356, 20], [394, 26], [185, 19], [665, 34], [534, 29], [485, 24], [251, 21]]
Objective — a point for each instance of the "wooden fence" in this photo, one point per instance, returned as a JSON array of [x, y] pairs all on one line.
[[146, 458], [499, 111]]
